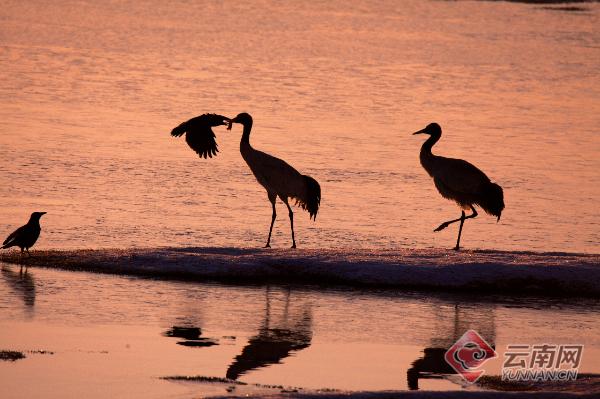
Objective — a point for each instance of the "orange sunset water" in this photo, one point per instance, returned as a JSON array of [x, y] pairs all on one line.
[[90, 92]]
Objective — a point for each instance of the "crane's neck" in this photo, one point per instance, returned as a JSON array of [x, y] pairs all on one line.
[[426, 157], [245, 142], [246, 134]]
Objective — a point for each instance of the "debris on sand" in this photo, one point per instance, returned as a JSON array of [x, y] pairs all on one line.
[[11, 356]]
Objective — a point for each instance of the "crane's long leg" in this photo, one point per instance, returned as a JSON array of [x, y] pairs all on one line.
[[291, 222], [272, 198], [449, 222], [462, 221], [21, 260]]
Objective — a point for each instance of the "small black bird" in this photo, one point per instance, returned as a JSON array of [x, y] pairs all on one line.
[[25, 236], [199, 134]]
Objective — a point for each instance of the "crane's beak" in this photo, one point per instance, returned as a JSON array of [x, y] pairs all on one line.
[[43, 213], [231, 122], [422, 131]]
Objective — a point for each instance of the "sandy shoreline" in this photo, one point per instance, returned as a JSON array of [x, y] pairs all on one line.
[[525, 273], [587, 385], [426, 394]]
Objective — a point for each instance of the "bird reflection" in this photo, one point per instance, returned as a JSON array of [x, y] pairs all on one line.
[[433, 365], [23, 284], [282, 332], [191, 335]]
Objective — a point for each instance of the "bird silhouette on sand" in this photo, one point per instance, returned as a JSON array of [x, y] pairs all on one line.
[[277, 177], [460, 181], [25, 236]]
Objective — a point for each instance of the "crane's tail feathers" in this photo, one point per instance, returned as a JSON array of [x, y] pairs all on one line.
[[492, 200], [311, 198]]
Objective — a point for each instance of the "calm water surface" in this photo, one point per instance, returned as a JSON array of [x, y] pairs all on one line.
[[110, 334], [90, 91]]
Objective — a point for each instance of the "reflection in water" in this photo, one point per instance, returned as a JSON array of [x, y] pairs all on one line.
[[283, 331], [192, 336], [23, 284], [433, 365], [184, 332]]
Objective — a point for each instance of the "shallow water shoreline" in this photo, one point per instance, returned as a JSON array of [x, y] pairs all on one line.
[[525, 273], [585, 386], [97, 328], [425, 394]]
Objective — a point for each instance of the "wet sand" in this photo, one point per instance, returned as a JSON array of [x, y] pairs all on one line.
[[425, 394], [548, 274], [11, 356]]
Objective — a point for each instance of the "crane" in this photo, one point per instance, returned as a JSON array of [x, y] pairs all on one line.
[[277, 177], [460, 181]]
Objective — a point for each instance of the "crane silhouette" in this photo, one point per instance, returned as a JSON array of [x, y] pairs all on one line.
[[460, 181], [278, 178], [275, 175]]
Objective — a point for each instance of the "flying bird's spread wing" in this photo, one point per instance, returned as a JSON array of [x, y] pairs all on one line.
[[199, 134]]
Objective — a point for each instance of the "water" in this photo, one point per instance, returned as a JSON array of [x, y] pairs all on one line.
[[91, 91], [99, 334]]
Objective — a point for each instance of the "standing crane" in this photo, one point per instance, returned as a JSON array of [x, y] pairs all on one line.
[[460, 181], [275, 175], [278, 178]]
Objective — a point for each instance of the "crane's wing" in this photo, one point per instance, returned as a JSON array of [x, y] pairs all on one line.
[[13, 236], [460, 176], [199, 134], [273, 172]]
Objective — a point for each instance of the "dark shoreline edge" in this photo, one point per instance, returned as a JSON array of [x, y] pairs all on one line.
[[420, 395], [585, 386], [467, 272]]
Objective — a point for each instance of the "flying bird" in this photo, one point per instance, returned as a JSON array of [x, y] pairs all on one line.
[[199, 134], [460, 181], [25, 236]]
